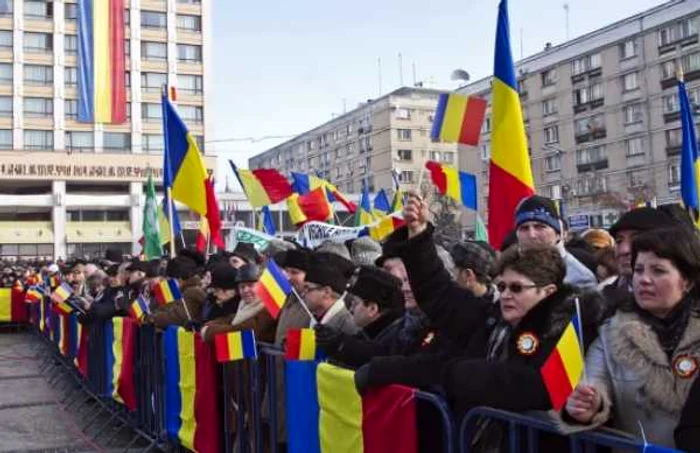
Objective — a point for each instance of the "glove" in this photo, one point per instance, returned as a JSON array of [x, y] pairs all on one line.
[[362, 382], [328, 339]]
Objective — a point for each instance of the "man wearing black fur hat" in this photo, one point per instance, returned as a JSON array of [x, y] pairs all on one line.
[[222, 300]]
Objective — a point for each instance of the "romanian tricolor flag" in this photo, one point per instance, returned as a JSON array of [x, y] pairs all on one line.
[[191, 391], [101, 61], [398, 201], [264, 186], [458, 119], [184, 171], [386, 225], [235, 346], [63, 308], [309, 207], [64, 335], [301, 345], [381, 205], [273, 288], [510, 174], [458, 185], [54, 281], [120, 342], [139, 308], [303, 183], [364, 215], [33, 295], [12, 306], [62, 293], [167, 291], [81, 349], [326, 414], [563, 368], [690, 156]]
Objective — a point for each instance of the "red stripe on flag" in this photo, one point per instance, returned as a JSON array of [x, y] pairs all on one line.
[[437, 175], [83, 352], [221, 347], [267, 300], [127, 389], [213, 217], [556, 380], [116, 33], [472, 121], [275, 184], [293, 346], [206, 399], [17, 306], [389, 420], [505, 192]]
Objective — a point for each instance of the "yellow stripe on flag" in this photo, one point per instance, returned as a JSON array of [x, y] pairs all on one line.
[[340, 418], [235, 346], [165, 288], [454, 114], [5, 304], [508, 140], [188, 378], [307, 348], [188, 186], [454, 187], [269, 282], [570, 353], [118, 327], [103, 72], [257, 196]]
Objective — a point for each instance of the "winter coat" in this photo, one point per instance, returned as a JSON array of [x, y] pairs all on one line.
[[577, 274], [108, 304], [376, 339], [213, 311], [262, 324], [175, 314], [614, 295], [338, 317], [292, 316], [687, 433], [637, 381]]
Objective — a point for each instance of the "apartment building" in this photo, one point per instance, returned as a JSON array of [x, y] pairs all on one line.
[[72, 188], [367, 144], [602, 114]]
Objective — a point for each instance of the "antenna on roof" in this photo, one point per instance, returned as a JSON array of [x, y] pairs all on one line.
[[566, 19]]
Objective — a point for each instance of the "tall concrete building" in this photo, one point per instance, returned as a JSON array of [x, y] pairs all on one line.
[[76, 188], [367, 144], [602, 114]]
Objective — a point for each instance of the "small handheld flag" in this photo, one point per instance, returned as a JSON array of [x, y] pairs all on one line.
[[563, 368], [63, 308], [167, 291], [301, 345], [33, 295], [235, 346], [458, 185], [458, 119], [62, 293], [273, 288], [139, 308]]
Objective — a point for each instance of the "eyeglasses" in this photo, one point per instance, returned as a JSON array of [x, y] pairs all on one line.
[[514, 288], [310, 289]]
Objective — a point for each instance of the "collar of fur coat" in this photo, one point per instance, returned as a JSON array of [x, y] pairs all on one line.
[[633, 344], [247, 311]]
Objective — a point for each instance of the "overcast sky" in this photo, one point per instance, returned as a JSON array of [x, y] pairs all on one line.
[[281, 67]]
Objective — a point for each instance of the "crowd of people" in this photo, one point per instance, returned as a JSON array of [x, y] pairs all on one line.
[[473, 324]]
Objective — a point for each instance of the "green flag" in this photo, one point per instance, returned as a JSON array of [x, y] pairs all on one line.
[[151, 236], [481, 233]]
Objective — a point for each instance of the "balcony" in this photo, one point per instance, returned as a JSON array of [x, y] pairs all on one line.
[[593, 134], [683, 42], [673, 150], [671, 117], [601, 164], [594, 72], [687, 76], [590, 105]]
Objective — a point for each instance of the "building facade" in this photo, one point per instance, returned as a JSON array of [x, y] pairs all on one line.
[[602, 114], [70, 188], [367, 144]]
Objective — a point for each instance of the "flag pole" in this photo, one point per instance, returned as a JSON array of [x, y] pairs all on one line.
[[304, 306], [169, 192], [579, 327]]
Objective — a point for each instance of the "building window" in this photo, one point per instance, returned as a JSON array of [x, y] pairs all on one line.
[[671, 104], [585, 64], [153, 81], [404, 135], [551, 134], [71, 11], [630, 81], [6, 106], [553, 162], [153, 19], [71, 106], [402, 113], [6, 138], [153, 143], [189, 2], [549, 107], [189, 23], [689, 63], [190, 84], [189, 53], [117, 142], [6, 73], [485, 152], [156, 51], [591, 155], [71, 77], [674, 137], [588, 94], [38, 75], [406, 176], [632, 113], [70, 44], [588, 125], [38, 107], [191, 113], [38, 42], [549, 77], [6, 40], [628, 49], [676, 32], [199, 139], [151, 111], [80, 141], [405, 154], [553, 191], [674, 175], [448, 157], [591, 185], [486, 127], [637, 178], [38, 140], [635, 146], [38, 10]]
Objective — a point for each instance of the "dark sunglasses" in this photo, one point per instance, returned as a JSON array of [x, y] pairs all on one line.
[[515, 288]]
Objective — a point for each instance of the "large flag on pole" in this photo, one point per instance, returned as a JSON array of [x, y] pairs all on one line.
[[510, 174], [690, 165], [151, 235]]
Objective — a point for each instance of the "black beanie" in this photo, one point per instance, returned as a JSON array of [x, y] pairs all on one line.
[[376, 285], [538, 209], [642, 219]]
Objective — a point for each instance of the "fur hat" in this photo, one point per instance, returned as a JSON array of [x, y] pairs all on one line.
[[246, 252], [538, 209], [337, 248], [248, 273], [365, 250], [275, 246], [181, 267], [114, 256], [376, 285], [642, 219], [598, 238], [296, 258], [326, 269], [223, 276]]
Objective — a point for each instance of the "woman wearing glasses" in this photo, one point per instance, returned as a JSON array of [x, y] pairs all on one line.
[[642, 366]]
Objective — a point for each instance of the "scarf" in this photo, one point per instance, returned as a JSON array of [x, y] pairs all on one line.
[[411, 332], [670, 329], [247, 311]]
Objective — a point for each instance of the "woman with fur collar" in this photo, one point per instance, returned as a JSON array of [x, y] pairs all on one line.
[[645, 360]]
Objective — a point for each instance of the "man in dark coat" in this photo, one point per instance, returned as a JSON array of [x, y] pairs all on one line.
[[377, 311], [222, 300]]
